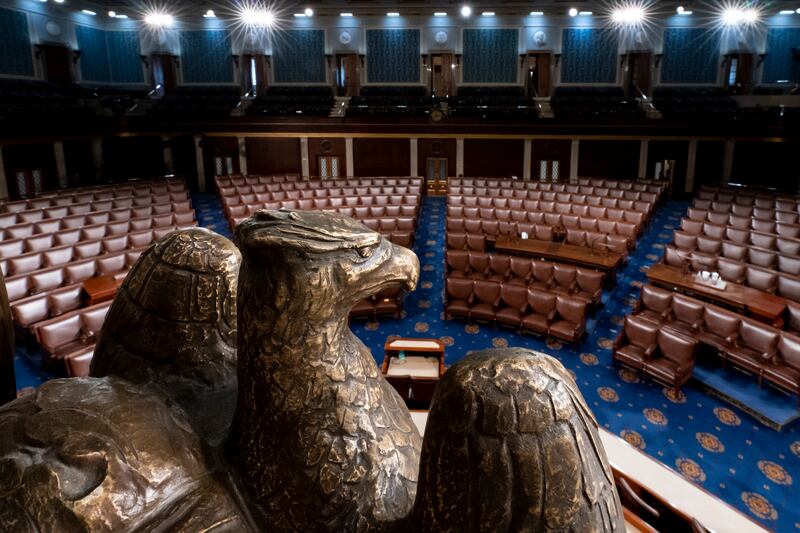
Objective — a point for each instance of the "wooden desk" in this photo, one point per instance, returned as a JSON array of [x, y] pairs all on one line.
[[760, 305], [419, 347], [100, 289], [415, 379], [560, 252]]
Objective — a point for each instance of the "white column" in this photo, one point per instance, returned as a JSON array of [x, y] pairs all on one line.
[[348, 155], [459, 157], [691, 162], [644, 147], [526, 160], [242, 155], [200, 163], [3, 178], [97, 155], [727, 161], [305, 170], [414, 157], [573, 159], [61, 163], [168, 160]]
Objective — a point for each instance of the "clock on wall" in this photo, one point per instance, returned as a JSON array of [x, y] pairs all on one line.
[[540, 38], [345, 37], [440, 37], [53, 28]]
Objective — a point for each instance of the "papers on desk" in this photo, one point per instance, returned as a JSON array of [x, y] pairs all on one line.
[[414, 365], [409, 345]]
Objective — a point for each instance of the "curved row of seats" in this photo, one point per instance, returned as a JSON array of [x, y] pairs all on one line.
[[652, 186], [81, 232], [746, 253], [748, 344], [334, 203], [747, 197], [579, 204], [756, 218], [71, 337], [781, 238], [493, 228], [525, 308], [569, 280], [239, 181], [301, 189]]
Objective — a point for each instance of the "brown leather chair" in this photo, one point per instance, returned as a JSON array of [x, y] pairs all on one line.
[[784, 369], [687, 314], [514, 304], [478, 265], [542, 311], [459, 297], [762, 279], [565, 277], [520, 270], [636, 343], [590, 286], [570, 321], [789, 287], [733, 271], [389, 302], [793, 316], [364, 308], [476, 242], [654, 304], [456, 241], [673, 362], [79, 363], [485, 301], [457, 263], [499, 267], [720, 328], [756, 344], [542, 275]]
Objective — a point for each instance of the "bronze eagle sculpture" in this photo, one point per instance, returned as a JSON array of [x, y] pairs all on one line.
[[229, 394]]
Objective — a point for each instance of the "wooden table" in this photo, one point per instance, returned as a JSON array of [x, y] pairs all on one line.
[[416, 376], [760, 305], [419, 347], [100, 288], [605, 261]]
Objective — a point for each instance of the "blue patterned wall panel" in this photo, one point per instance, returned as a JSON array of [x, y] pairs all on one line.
[[123, 51], [15, 44], [299, 56], [93, 45], [588, 55], [206, 57], [490, 55], [393, 56], [778, 63], [691, 55]]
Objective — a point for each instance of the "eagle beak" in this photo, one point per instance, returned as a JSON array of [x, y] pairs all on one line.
[[406, 266]]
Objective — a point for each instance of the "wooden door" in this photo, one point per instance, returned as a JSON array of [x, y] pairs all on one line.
[[347, 74], [637, 74], [254, 74], [537, 74], [163, 73], [442, 67], [739, 72], [329, 166], [57, 63]]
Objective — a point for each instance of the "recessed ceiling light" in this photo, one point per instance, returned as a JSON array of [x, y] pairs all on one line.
[[121, 16], [487, 14], [440, 14], [209, 14], [345, 14], [112, 14], [59, 1], [680, 9], [573, 12], [303, 15], [309, 12], [88, 12], [159, 19], [786, 12], [466, 11], [392, 14], [584, 13], [537, 13]]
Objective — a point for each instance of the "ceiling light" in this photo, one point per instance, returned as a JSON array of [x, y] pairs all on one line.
[[786, 12], [257, 17], [300, 15], [209, 14], [112, 14], [121, 16], [536, 13], [584, 13], [573, 12], [309, 12], [440, 14], [392, 14], [487, 14], [733, 16], [58, 1], [88, 12], [685, 12], [345, 14], [680, 10], [466, 11], [629, 15], [798, 11], [159, 19]]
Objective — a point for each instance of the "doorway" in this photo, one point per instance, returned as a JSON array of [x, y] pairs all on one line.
[[254, 75], [28, 182], [329, 166], [163, 74], [347, 74], [739, 72], [537, 74], [637, 74], [442, 74], [57, 63], [436, 174]]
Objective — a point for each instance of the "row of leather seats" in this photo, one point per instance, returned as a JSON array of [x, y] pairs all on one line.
[[592, 204], [746, 343], [79, 233], [493, 228], [754, 254], [334, 203], [242, 181], [743, 216], [737, 234], [241, 213], [629, 185], [466, 241], [468, 193], [767, 212], [42, 235], [89, 194], [742, 224], [51, 213], [71, 205], [533, 211], [581, 283], [659, 353], [29, 311], [77, 271], [771, 200], [526, 308], [386, 302], [763, 279], [597, 240], [290, 191], [72, 333]]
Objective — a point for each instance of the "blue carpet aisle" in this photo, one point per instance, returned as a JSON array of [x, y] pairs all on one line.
[[711, 443]]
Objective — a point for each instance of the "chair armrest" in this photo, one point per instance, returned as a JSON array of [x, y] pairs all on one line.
[[551, 315], [649, 350], [733, 338], [618, 340]]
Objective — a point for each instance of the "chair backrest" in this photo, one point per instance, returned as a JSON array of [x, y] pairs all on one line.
[[589, 280], [459, 288], [789, 348], [520, 267], [514, 296], [564, 274], [542, 271], [457, 260], [571, 309], [542, 302], [499, 264], [687, 310], [656, 299], [487, 292], [720, 322], [758, 336], [676, 347], [640, 332]]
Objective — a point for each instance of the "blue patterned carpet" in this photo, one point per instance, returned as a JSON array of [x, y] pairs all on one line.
[[711, 443]]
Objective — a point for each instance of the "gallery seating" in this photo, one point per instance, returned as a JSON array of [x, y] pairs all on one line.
[[594, 102], [292, 101], [71, 333]]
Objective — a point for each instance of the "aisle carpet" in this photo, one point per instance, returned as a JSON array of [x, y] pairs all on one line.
[[711, 443]]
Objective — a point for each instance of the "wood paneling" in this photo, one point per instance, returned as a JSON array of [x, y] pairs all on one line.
[[273, 156], [184, 158], [436, 148], [493, 157], [26, 158], [551, 150], [133, 157], [708, 165], [608, 159], [381, 157], [326, 147], [766, 165], [79, 162], [666, 150], [214, 147]]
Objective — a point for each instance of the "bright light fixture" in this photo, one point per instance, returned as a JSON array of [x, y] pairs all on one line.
[[88, 12], [121, 16], [686, 12], [302, 15], [345, 14], [629, 15], [59, 1], [573, 12], [786, 12], [159, 19], [680, 10], [309, 12], [536, 13], [584, 13], [798, 11], [392, 14], [257, 17], [733, 16], [487, 14], [466, 11], [112, 14], [440, 14], [209, 14]]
